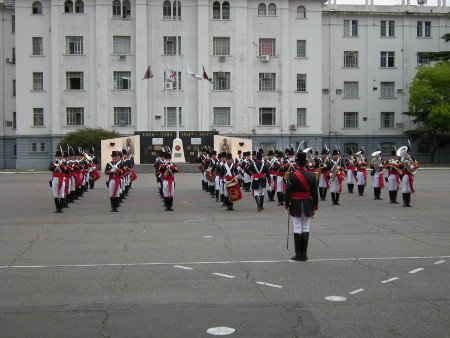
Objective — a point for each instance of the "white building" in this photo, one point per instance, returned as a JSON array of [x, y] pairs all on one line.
[[283, 71]]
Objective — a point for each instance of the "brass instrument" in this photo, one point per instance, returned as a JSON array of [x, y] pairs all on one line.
[[393, 163], [406, 160], [376, 161], [335, 170]]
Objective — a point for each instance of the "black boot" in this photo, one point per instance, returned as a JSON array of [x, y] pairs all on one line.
[[116, 204], [333, 198], [212, 191], [261, 202], [321, 193], [405, 200], [230, 206], [217, 195], [258, 203], [391, 197], [170, 203], [61, 205], [166, 203], [304, 246], [375, 193], [337, 198], [280, 201], [324, 194], [298, 247], [349, 189], [66, 201], [408, 199], [57, 205], [352, 186], [113, 203], [394, 197], [379, 194]]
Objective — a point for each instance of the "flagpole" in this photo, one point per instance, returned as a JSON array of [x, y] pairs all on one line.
[[177, 109]]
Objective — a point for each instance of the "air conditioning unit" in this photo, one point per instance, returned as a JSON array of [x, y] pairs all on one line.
[[338, 91], [265, 58], [222, 58], [325, 91], [9, 60], [399, 125], [122, 123], [292, 127], [122, 57], [168, 85], [8, 123], [267, 75], [221, 75], [400, 91]]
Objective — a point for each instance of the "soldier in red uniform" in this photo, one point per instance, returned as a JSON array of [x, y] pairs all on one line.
[[168, 170]]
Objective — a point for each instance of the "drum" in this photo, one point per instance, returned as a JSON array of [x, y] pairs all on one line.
[[95, 175], [234, 191], [133, 175], [200, 167], [211, 177], [286, 175]]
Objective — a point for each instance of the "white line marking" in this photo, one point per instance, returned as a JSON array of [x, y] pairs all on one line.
[[220, 331], [268, 284], [194, 220], [389, 280], [183, 267], [439, 262], [416, 270], [356, 291], [218, 262], [222, 275], [335, 298], [207, 236]]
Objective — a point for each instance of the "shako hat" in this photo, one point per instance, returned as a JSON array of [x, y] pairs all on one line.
[[301, 158], [324, 152], [335, 152], [229, 156]]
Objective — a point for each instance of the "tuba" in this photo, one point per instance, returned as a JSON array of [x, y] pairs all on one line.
[[335, 171], [376, 161], [406, 160]]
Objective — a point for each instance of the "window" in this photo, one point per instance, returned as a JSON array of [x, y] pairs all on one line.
[[350, 147], [14, 150], [38, 48], [79, 6], [122, 45], [262, 9], [14, 88], [221, 81], [301, 82], [387, 147], [74, 45], [122, 80], [167, 10], [117, 9], [216, 10], [387, 89], [42, 146], [387, 28], [350, 27], [301, 12], [38, 81], [387, 119], [13, 52], [36, 8], [13, 24], [170, 45], [33, 146], [423, 29], [68, 6], [74, 81], [301, 48], [272, 9], [301, 116], [221, 46], [225, 10], [423, 147], [267, 117], [126, 9], [387, 59], [169, 85], [171, 116], [122, 116], [38, 117], [267, 146], [75, 116], [221, 116], [267, 81], [422, 61], [14, 120], [351, 89], [267, 47], [350, 59], [350, 120]]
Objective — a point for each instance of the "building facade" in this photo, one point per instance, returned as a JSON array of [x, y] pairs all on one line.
[[282, 71]]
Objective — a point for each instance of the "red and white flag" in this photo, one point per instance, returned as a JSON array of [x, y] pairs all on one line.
[[169, 74], [194, 75], [148, 74], [205, 76]]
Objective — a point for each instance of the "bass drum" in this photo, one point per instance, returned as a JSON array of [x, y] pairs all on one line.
[[234, 191]]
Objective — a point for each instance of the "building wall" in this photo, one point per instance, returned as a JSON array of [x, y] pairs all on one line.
[[322, 28]]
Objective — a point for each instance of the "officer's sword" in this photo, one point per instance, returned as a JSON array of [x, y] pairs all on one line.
[[287, 240]]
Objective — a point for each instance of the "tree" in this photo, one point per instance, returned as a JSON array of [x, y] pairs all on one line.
[[87, 138], [429, 105], [437, 56]]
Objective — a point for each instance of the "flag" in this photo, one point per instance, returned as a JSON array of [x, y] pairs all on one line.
[[205, 76], [148, 74], [194, 75], [169, 74]]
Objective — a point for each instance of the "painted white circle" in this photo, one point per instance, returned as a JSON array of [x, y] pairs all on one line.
[[220, 331], [335, 298]]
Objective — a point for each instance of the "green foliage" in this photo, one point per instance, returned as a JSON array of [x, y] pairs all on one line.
[[429, 105], [437, 56], [86, 138]]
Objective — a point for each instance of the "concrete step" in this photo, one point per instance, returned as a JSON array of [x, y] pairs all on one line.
[[182, 168]]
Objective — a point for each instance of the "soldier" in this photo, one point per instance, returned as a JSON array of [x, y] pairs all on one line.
[[229, 173], [323, 175], [278, 185], [158, 162], [272, 185], [245, 164], [260, 175], [301, 201], [114, 170], [409, 166], [93, 169], [201, 157], [393, 178], [350, 163], [377, 166], [336, 167], [361, 175], [57, 167], [168, 169]]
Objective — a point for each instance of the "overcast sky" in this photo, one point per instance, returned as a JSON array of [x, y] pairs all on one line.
[[385, 2]]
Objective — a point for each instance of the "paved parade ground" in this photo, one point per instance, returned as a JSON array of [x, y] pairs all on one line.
[[144, 272]]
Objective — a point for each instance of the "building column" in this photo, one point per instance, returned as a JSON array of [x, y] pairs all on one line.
[[103, 13], [204, 87], [143, 115]]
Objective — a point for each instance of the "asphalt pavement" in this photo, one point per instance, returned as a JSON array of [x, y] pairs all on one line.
[[375, 269]]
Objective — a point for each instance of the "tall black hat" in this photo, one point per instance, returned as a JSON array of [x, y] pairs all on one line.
[[254, 153], [168, 155], [239, 151], [335, 152], [301, 158], [259, 156], [324, 152], [260, 150], [213, 152], [393, 153], [229, 156], [316, 152], [270, 152], [114, 153], [350, 152], [58, 153]]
